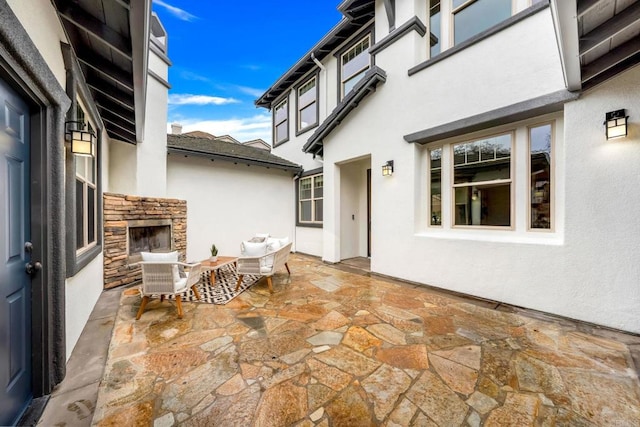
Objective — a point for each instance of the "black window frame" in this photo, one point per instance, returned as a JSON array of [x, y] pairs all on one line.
[[276, 104], [300, 130], [369, 30], [77, 88], [308, 174]]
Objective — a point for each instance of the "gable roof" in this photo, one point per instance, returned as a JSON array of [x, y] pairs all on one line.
[[227, 151], [199, 134], [364, 87], [356, 14]]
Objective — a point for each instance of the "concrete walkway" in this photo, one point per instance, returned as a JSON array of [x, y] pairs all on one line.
[[73, 401], [336, 348]]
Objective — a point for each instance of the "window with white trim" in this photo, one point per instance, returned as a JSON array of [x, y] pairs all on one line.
[[281, 122], [435, 178], [452, 22], [311, 199], [482, 182], [471, 17], [354, 63], [86, 195], [541, 176], [481, 190], [307, 105]]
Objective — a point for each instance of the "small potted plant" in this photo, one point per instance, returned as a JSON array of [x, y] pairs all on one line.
[[214, 253]]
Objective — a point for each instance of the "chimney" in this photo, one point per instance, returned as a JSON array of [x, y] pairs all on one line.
[[176, 128]]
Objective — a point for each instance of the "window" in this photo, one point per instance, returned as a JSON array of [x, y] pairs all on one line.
[[540, 141], [354, 64], [434, 27], [479, 174], [86, 200], [307, 105], [281, 123], [471, 17], [310, 196], [435, 178], [482, 182]]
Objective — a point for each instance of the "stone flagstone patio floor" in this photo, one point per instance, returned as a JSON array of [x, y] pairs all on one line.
[[336, 348]]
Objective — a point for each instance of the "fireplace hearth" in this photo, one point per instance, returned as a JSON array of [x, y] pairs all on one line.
[[135, 224]]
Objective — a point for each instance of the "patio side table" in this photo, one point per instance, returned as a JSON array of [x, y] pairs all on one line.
[[213, 267]]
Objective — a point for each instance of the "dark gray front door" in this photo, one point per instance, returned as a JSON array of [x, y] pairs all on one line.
[[15, 284]]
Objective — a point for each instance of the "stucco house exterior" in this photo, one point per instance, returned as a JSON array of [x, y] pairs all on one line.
[[461, 144]]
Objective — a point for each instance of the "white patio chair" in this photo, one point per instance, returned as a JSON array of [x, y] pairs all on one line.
[[163, 278], [264, 265]]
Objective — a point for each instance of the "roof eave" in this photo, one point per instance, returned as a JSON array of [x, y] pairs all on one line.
[[565, 21], [140, 36], [235, 159], [368, 84]]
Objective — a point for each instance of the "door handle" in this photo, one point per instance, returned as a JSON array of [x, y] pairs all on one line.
[[32, 268]]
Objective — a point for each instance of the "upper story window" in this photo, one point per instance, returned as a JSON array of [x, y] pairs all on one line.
[[354, 63], [471, 17], [281, 123], [452, 22], [434, 27], [307, 105]]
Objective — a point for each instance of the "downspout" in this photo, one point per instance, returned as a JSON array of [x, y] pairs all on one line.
[[326, 83]]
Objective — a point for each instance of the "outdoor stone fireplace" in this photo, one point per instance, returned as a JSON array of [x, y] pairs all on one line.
[[133, 224]]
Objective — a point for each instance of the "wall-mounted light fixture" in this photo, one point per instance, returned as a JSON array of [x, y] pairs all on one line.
[[387, 168], [616, 124], [83, 143]]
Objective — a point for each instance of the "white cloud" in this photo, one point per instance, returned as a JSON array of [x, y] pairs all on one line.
[[189, 99], [243, 129], [181, 14], [251, 91]]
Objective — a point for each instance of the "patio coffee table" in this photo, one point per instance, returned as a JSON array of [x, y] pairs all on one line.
[[212, 267]]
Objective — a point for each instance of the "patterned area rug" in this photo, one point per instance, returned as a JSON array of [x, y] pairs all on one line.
[[223, 290]]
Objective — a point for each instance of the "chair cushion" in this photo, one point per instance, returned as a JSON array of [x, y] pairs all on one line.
[[284, 241], [251, 249], [273, 244], [263, 235], [180, 285], [163, 257], [264, 269]]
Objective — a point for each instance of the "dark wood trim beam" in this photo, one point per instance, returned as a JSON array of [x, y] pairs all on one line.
[[121, 98], [117, 109], [107, 69], [610, 60], [122, 126], [607, 30], [115, 134], [100, 31], [585, 6]]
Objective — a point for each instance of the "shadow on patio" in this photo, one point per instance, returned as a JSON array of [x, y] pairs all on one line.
[[331, 347]]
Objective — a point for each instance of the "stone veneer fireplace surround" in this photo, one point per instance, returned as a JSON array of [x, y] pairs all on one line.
[[121, 213]]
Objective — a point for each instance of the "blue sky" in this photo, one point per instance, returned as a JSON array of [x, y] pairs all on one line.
[[225, 54]]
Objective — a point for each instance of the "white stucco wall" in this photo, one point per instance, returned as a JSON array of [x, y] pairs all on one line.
[[40, 19], [81, 293], [122, 168], [151, 173], [228, 203], [585, 269]]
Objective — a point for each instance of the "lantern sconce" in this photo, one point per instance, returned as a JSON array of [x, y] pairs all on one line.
[[387, 168], [616, 124], [83, 143]]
